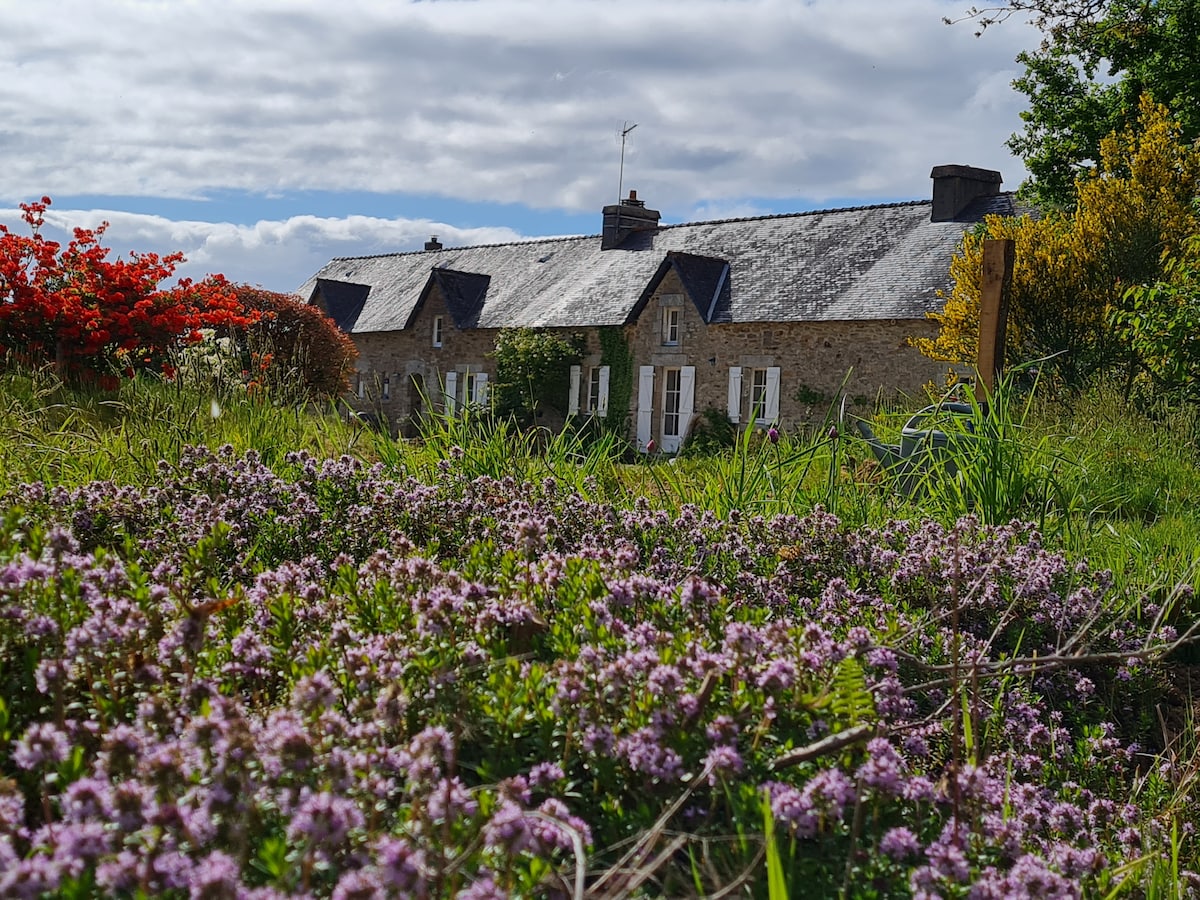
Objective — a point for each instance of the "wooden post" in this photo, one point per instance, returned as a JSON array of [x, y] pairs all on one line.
[[998, 257]]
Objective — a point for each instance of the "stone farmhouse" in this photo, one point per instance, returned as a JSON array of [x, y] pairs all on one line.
[[762, 319]]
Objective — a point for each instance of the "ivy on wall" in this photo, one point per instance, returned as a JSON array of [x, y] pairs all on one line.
[[615, 353]]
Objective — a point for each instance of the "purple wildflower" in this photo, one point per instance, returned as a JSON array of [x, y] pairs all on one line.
[[43, 744], [899, 844]]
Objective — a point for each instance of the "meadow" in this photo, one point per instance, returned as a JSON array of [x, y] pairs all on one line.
[[249, 649]]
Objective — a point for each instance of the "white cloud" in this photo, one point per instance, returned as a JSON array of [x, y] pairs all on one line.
[[501, 100], [277, 255]]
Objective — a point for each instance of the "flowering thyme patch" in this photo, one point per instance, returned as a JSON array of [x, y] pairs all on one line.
[[324, 681]]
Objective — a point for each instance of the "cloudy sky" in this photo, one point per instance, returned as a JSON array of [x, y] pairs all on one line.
[[263, 137]]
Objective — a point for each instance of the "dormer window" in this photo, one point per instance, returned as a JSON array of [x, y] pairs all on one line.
[[670, 326], [437, 331]]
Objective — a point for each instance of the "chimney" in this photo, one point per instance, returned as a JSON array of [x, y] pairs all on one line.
[[954, 187], [433, 243], [624, 218]]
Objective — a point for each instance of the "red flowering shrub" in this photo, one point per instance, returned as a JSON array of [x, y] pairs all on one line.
[[96, 318], [294, 345]]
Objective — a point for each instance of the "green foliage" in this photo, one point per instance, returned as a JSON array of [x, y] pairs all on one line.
[[69, 434], [533, 372], [711, 434], [810, 396], [990, 464], [501, 713], [293, 347], [615, 353], [1087, 77], [1161, 324]]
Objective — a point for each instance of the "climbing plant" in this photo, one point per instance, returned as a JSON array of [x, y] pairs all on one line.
[[615, 353]]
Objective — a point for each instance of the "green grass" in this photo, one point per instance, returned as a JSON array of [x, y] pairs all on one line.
[[63, 435], [1104, 480]]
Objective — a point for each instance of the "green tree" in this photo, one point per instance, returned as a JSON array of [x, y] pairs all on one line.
[[533, 372], [1097, 58], [1073, 269]]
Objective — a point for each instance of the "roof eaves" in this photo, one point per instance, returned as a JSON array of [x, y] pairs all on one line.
[[420, 304], [712, 306]]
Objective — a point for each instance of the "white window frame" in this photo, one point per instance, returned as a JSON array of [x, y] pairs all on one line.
[[438, 322], [595, 390], [764, 395], [672, 395], [469, 387], [670, 326], [758, 394], [386, 388], [679, 403], [361, 388]]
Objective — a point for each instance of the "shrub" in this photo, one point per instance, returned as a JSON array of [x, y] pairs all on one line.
[[533, 371], [294, 346], [94, 318], [712, 433]]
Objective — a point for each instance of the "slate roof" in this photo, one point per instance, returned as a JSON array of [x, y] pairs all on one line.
[[872, 262]]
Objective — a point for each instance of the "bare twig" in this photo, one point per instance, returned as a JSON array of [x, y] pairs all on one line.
[[646, 842], [1030, 665], [576, 844], [831, 743]]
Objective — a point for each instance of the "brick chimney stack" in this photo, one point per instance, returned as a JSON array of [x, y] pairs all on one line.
[[624, 218], [954, 187], [433, 243]]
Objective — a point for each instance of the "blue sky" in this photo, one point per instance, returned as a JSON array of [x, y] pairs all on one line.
[[263, 137]]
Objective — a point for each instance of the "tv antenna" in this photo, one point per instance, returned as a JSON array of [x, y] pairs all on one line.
[[625, 129]]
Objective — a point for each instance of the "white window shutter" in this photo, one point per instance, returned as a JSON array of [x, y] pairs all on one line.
[[772, 400], [602, 402], [687, 399], [451, 388], [481, 388], [734, 407], [645, 407], [573, 397]]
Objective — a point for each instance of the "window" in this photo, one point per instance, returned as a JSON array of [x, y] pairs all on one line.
[[670, 329], [764, 395], [758, 394], [671, 395], [387, 388], [474, 389], [437, 331], [593, 394], [361, 389]]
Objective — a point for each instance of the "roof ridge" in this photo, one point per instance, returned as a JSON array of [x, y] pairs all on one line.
[[562, 239], [556, 239], [806, 212]]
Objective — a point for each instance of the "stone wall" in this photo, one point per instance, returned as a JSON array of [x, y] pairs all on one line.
[[403, 373], [813, 359]]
